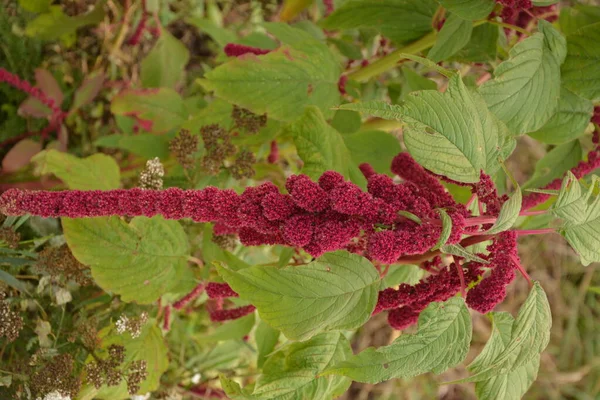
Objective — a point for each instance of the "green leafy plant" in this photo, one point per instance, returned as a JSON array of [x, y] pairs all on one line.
[[219, 206]]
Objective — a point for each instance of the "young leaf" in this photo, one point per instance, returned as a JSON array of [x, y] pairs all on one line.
[[446, 229], [508, 214], [140, 261], [149, 346], [293, 373], [581, 213], [469, 9], [509, 385], [266, 340], [453, 36], [55, 24], [458, 250], [97, 171], [321, 147], [482, 47], [337, 291], [89, 89], [533, 69], [441, 342], [555, 164], [164, 65], [400, 20], [163, 108], [283, 82], [581, 70], [529, 337], [569, 122]]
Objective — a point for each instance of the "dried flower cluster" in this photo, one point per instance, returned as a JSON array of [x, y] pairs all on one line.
[[110, 372], [151, 176], [133, 325], [58, 261], [243, 165], [56, 375], [218, 146], [9, 238], [183, 146], [247, 121], [11, 322]]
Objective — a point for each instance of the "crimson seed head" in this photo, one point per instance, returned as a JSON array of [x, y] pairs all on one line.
[[367, 170], [236, 50], [329, 180], [384, 247], [298, 230], [307, 194], [402, 317], [216, 290]]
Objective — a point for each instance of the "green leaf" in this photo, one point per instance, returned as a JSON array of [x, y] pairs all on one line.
[[56, 24], [399, 20], [569, 122], [454, 35], [321, 147], [230, 330], [413, 82], [509, 385], [458, 147], [163, 108], [482, 47], [555, 164], [574, 18], [377, 148], [164, 65], [97, 171], [346, 122], [146, 145], [140, 261], [581, 70], [442, 341], [402, 273], [36, 6], [508, 214], [301, 73], [525, 90], [446, 229], [266, 340], [529, 336], [149, 346], [469, 9], [580, 210], [89, 89], [458, 250], [337, 291], [219, 34], [293, 372]]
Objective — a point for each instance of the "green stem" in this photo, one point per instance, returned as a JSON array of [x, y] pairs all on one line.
[[390, 61]]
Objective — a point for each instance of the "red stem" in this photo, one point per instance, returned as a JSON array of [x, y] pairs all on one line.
[[534, 231], [521, 269]]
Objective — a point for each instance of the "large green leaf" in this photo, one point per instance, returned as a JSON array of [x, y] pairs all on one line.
[[451, 133], [525, 90], [55, 24], [454, 35], [400, 20], [441, 342], [163, 108], [482, 47], [574, 18], [555, 164], [140, 261], [321, 147], [266, 339], [509, 385], [581, 70], [293, 373], [377, 148], [300, 73], [148, 346], [97, 171], [580, 210], [146, 145], [569, 122], [164, 65], [337, 291], [469, 9], [529, 336]]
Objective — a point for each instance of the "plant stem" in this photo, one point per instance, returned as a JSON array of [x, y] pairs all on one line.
[[521, 269], [534, 231], [509, 26], [390, 61]]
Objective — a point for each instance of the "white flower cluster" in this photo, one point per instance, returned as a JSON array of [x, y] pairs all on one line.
[[56, 395], [151, 176], [131, 325]]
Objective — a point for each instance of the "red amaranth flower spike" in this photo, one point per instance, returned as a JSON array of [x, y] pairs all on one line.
[[236, 50], [216, 290], [273, 153], [234, 313], [188, 298], [367, 170]]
